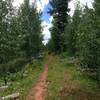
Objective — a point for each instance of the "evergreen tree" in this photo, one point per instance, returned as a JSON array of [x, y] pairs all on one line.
[[8, 41], [59, 10], [97, 32], [88, 41], [20, 36], [86, 38], [31, 29], [7, 13], [97, 7], [50, 46], [71, 30]]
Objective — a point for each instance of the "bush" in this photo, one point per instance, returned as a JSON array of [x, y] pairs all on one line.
[[11, 67], [16, 65]]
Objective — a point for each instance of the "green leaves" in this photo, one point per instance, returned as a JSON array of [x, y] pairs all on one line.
[[20, 34], [59, 10]]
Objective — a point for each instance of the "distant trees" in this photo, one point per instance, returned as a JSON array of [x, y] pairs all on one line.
[[83, 38], [20, 35], [88, 41], [30, 29], [81, 34], [8, 35], [97, 32], [71, 30], [59, 10]]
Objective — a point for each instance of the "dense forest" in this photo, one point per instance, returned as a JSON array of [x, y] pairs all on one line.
[[20, 36], [78, 35], [22, 52]]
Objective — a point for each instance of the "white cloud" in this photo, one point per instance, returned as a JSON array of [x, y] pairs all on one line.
[[17, 3], [44, 2], [39, 6], [51, 18], [40, 3], [46, 26], [83, 2]]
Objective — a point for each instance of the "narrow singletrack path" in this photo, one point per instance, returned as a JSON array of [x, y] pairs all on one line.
[[38, 91]]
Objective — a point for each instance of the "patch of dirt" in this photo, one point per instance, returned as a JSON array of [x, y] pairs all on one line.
[[38, 91]]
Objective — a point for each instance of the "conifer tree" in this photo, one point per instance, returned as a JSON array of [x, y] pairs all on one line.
[[97, 32], [59, 10], [30, 24], [20, 36], [71, 30]]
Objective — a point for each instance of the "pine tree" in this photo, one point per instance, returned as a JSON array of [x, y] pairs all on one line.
[[59, 10], [8, 41], [97, 32], [30, 24], [20, 36], [7, 13], [71, 30], [97, 6]]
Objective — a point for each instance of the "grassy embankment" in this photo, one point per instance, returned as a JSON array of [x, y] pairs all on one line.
[[66, 82], [23, 84]]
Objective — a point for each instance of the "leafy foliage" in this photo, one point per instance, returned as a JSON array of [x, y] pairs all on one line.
[[59, 10], [81, 36], [20, 35]]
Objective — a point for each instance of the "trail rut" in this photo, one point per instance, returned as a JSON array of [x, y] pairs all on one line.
[[38, 91]]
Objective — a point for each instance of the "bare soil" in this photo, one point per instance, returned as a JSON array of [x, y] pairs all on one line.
[[38, 91]]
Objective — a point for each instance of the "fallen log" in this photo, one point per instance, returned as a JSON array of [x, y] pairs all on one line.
[[14, 96]]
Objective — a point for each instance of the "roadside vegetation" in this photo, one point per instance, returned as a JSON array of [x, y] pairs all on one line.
[[73, 50], [67, 82], [78, 35], [20, 36], [22, 82]]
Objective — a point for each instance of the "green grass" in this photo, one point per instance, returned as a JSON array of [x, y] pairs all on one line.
[[65, 82], [23, 85]]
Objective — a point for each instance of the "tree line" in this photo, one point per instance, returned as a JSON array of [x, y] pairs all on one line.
[[20, 36], [78, 35]]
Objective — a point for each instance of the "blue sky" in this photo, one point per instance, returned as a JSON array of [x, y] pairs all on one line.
[[46, 23], [45, 15]]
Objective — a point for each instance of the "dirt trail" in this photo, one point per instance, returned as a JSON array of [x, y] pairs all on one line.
[[38, 91]]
